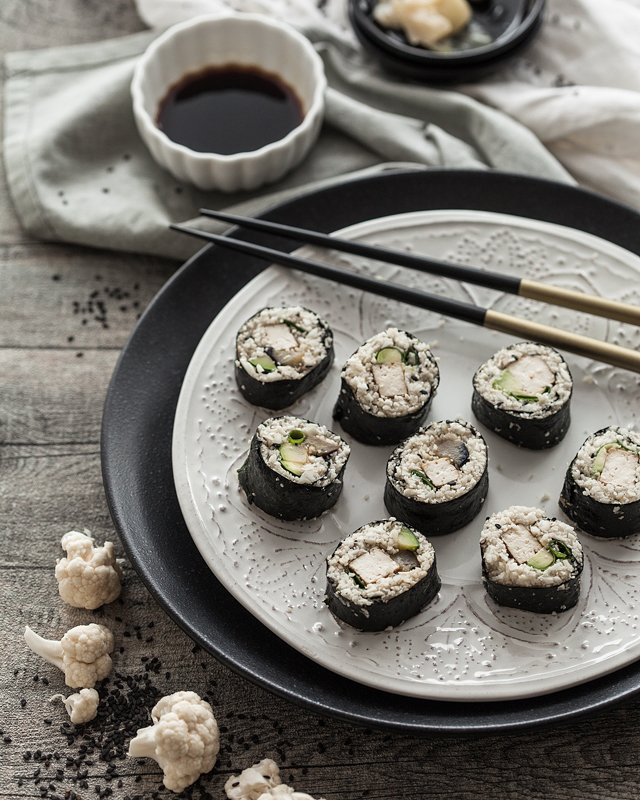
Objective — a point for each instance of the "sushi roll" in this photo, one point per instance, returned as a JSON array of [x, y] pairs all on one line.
[[294, 468], [381, 575], [601, 491], [282, 353], [438, 479], [387, 388], [530, 562], [523, 395]]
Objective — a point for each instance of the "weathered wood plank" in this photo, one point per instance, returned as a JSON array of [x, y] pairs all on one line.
[[74, 297], [53, 396]]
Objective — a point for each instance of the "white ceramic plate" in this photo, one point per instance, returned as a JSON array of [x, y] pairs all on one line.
[[462, 647]]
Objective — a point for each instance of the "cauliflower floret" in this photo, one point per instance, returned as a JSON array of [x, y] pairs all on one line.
[[183, 739], [89, 576], [83, 653], [261, 782], [82, 706]]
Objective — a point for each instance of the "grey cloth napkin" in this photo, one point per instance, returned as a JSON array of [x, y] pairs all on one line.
[[78, 171]]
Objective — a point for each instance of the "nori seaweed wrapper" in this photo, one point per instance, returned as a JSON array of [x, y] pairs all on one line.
[[607, 520], [276, 395], [375, 430], [519, 427], [281, 497], [370, 429], [380, 615], [525, 426], [539, 599], [436, 519]]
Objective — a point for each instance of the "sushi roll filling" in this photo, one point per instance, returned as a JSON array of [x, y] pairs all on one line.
[[302, 451], [525, 376], [439, 463], [607, 466], [393, 374], [282, 343], [382, 560], [522, 547]]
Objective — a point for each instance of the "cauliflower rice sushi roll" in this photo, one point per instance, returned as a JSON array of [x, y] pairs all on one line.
[[281, 354], [294, 469], [387, 388], [380, 575], [530, 562], [438, 479], [601, 491], [522, 393]]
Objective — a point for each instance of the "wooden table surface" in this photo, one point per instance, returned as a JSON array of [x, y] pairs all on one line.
[[54, 373]]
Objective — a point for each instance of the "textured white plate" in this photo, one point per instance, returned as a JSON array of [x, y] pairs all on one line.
[[462, 646]]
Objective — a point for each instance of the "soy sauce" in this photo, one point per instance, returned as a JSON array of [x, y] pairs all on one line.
[[231, 109]]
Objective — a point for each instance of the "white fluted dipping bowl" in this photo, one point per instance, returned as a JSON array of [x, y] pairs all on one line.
[[249, 40]]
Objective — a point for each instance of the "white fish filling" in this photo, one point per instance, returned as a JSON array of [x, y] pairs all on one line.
[[320, 470], [380, 536], [533, 374], [397, 389], [511, 531], [536, 367], [420, 453], [296, 352], [619, 481]]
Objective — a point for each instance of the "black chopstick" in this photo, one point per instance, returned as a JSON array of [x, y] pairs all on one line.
[[495, 320], [568, 298]]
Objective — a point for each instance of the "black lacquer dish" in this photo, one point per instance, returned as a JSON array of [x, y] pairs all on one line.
[[511, 25]]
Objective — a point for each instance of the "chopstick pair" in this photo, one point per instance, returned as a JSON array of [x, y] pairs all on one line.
[[487, 318]]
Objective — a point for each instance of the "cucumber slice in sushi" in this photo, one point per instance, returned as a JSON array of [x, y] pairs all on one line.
[[438, 479], [601, 491], [523, 395], [374, 581], [294, 469], [387, 387], [531, 562], [281, 354]]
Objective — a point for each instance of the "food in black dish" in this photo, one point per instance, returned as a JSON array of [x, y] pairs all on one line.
[[387, 387], [294, 469], [438, 479], [601, 491], [381, 575], [281, 354], [523, 394], [530, 562], [441, 25]]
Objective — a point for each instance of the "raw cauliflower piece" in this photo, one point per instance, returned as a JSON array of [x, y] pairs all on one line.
[[261, 782], [89, 576], [82, 706], [83, 653], [184, 739]]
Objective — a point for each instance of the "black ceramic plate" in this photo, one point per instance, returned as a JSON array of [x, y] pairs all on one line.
[[137, 432]]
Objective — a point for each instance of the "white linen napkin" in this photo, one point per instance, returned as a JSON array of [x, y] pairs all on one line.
[[577, 88]]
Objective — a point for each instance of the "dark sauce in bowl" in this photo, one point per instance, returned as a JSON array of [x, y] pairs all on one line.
[[230, 109]]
